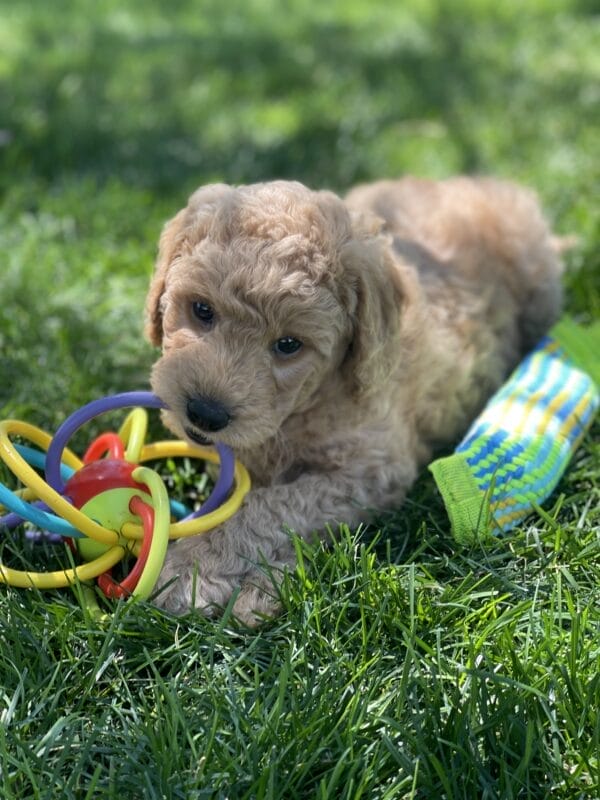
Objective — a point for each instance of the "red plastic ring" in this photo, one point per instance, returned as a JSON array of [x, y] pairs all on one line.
[[111, 588], [106, 444]]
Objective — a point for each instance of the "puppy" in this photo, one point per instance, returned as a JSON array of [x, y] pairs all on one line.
[[334, 345]]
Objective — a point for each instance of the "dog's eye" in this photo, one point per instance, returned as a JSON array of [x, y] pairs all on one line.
[[287, 346], [203, 312]]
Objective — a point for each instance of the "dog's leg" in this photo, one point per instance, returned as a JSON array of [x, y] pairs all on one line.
[[252, 549]]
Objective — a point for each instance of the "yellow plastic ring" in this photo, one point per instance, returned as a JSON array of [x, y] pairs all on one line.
[[133, 432], [30, 478], [160, 534], [61, 578]]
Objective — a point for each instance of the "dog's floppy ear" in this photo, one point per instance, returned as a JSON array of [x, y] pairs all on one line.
[[381, 291], [187, 228], [169, 243]]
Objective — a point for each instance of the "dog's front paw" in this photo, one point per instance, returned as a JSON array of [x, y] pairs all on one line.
[[192, 578], [199, 575], [258, 598]]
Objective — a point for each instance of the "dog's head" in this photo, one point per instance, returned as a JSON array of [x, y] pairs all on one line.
[[261, 295]]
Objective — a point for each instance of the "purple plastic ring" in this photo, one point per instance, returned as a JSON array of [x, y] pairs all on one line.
[[127, 400]]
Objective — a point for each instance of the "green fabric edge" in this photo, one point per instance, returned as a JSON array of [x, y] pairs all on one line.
[[581, 345], [466, 504]]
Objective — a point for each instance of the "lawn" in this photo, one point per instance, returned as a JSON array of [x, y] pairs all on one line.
[[402, 666]]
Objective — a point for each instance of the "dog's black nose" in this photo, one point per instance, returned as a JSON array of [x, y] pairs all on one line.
[[207, 414]]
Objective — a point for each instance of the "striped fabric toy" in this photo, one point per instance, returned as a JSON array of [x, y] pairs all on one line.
[[516, 451]]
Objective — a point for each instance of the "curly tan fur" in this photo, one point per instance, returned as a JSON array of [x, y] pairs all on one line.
[[413, 300]]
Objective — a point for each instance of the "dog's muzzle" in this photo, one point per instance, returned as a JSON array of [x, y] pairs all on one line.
[[207, 414]]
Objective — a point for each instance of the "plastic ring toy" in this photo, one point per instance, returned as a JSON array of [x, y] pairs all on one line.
[[109, 504]]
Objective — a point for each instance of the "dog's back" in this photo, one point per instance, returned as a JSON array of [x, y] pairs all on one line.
[[490, 274], [485, 234]]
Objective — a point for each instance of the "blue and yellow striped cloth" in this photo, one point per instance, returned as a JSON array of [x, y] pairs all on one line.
[[516, 451]]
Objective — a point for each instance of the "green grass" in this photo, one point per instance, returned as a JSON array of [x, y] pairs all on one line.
[[402, 667]]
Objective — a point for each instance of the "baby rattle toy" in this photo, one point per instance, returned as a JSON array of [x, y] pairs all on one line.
[[108, 505]]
